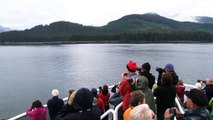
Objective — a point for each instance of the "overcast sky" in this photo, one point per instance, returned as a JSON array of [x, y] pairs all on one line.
[[25, 14]]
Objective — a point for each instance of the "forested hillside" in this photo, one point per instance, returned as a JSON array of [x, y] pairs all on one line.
[[130, 28]]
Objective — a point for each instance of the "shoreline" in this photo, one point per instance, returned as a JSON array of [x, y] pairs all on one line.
[[95, 42]]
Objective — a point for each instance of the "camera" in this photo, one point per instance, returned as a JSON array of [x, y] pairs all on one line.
[[172, 111], [139, 69], [160, 70], [202, 81], [130, 80], [125, 74]]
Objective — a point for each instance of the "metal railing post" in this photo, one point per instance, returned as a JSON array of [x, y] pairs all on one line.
[[116, 110], [107, 113]]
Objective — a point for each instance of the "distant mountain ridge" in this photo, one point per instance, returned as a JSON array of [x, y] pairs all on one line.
[[4, 29], [204, 19], [131, 28], [156, 21]]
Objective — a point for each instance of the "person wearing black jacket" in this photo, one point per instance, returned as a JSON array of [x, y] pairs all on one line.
[[165, 95], [54, 104], [116, 98], [169, 68], [145, 71], [209, 90], [84, 110]]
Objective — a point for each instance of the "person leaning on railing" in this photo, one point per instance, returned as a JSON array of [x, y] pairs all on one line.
[[37, 111], [196, 103]]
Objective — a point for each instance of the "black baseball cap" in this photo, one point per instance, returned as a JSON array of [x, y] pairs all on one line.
[[198, 97]]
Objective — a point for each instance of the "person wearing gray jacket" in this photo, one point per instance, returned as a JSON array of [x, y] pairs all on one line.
[[143, 85]]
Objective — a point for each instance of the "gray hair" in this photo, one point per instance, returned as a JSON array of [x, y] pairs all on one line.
[[142, 112]]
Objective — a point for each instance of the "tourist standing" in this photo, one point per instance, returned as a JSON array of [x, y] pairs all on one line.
[[127, 84], [37, 111], [142, 112], [145, 71], [84, 110], [209, 90], [165, 95], [54, 104], [98, 102], [169, 68], [196, 103], [136, 98], [105, 95], [142, 84], [180, 91]]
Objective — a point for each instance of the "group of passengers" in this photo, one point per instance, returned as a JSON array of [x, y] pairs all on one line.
[[137, 92]]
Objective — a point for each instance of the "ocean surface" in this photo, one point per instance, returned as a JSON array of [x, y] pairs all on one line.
[[29, 72]]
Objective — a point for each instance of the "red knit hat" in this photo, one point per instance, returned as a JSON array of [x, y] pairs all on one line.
[[131, 66]]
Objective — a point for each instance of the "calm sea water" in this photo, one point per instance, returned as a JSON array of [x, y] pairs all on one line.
[[28, 73]]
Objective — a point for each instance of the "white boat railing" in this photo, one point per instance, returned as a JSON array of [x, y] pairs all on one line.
[[114, 112], [25, 114]]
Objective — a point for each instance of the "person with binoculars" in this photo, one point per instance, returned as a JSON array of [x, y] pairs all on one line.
[[169, 68]]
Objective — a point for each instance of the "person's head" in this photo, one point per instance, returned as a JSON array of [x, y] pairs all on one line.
[[137, 98], [131, 66], [208, 81], [94, 92], [142, 112], [166, 79], [83, 99], [100, 89], [55, 92], [71, 98], [105, 90], [195, 99], [146, 67], [180, 82], [142, 83], [169, 67], [117, 88], [37, 104], [71, 91], [198, 86]]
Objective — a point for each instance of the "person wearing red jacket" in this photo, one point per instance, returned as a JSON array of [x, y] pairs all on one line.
[[105, 95], [127, 83], [180, 90]]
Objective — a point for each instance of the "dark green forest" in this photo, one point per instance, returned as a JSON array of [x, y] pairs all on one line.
[[134, 28]]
